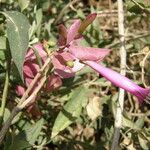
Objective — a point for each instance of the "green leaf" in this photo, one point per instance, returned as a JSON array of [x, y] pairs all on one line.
[[6, 114], [17, 33], [36, 25], [130, 124], [23, 4], [140, 122], [38, 16], [143, 142], [19, 142], [34, 131], [71, 111], [26, 137]]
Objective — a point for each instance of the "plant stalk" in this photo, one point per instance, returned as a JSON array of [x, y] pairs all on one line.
[[5, 91]]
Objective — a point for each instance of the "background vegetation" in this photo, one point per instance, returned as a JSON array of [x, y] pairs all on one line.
[[88, 96]]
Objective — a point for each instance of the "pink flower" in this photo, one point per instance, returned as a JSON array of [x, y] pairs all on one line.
[[59, 61], [65, 64], [66, 36], [88, 53], [31, 68], [53, 82], [69, 47], [67, 60], [121, 81]]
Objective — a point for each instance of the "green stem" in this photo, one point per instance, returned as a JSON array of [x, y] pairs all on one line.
[[38, 58], [5, 91]]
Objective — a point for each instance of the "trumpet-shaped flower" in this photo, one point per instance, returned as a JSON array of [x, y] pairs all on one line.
[[121, 81], [71, 52]]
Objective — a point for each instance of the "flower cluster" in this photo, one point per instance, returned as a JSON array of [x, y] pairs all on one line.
[[30, 69], [71, 57]]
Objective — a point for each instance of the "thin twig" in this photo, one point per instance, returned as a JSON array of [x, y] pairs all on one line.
[[139, 114], [120, 105], [129, 39], [18, 108], [38, 58], [33, 95], [107, 13]]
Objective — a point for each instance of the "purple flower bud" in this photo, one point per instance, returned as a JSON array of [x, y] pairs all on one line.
[[121, 81]]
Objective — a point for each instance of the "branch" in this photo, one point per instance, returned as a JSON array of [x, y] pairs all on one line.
[[120, 105], [7, 124]]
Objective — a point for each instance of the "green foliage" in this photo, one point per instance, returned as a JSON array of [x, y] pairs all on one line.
[[63, 122], [17, 33], [23, 4], [33, 131], [27, 137], [71, 111], [18, 142], [2, 43]]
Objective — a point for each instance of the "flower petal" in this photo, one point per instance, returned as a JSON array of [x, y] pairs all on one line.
[[88, 53], [62, 35], [20, 90], [65, 73], [85, 23], [30, 54], [73, 31], [121, 81], [53, 82], [30, 69], [59, 61]]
